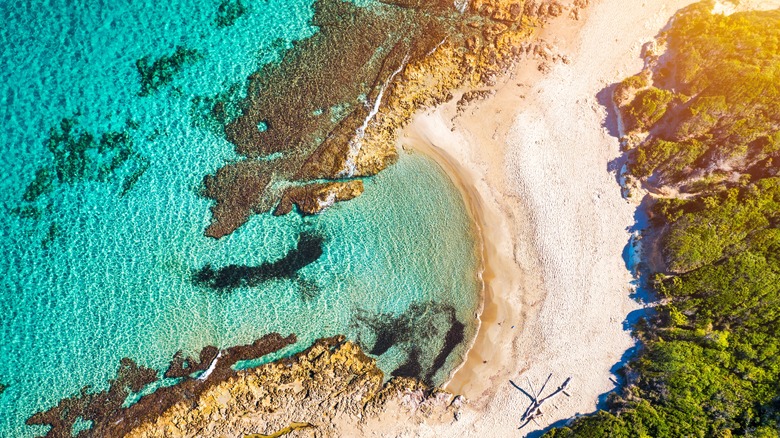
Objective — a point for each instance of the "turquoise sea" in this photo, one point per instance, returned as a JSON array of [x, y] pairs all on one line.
[[99, 266]]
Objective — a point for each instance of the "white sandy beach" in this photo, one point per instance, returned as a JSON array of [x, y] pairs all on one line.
[[534, 162]]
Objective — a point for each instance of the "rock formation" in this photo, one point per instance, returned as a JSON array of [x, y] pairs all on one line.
[[315, 116], [329, 390], [314, 198]]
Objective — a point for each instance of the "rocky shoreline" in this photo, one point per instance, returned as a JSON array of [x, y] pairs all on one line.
[[331, 383], [106, 413], [315, 117]]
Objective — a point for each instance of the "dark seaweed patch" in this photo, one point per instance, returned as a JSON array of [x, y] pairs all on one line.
[[308, 289], [133, 178], [454, 337], [421, 325], [307, 251], [101, 414], [78, 155], [162, 70], [229, 11], [41, 185], [54, 231], [412, 367], [26, 212]]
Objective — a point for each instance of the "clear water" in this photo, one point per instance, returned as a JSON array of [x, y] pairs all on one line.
[[115, 279]]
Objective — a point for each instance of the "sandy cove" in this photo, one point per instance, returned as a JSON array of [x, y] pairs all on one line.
[[533, 164]]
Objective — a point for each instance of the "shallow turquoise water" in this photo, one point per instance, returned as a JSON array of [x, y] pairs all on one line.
[[115, 279]]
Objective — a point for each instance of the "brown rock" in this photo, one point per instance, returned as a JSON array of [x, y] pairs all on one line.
[[237, 189], [314, 198], [331, 385]]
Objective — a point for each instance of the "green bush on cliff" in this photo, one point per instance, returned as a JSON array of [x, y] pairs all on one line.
[[647, 107], [672, 158], [627, 86], [719, 222], [730, 68], [710, 359]]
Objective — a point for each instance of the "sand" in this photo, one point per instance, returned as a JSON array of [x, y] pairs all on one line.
[[535, 163]]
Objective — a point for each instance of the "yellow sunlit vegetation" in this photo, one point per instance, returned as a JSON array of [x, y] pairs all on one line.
[[709, 364]]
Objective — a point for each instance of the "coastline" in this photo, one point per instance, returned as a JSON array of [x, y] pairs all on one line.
[[535, 158], [555, 296]]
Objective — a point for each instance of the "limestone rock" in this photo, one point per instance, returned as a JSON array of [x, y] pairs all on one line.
[[331, 388], [314, 198]]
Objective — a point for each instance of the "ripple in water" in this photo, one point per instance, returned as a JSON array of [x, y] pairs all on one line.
[[113, 264]]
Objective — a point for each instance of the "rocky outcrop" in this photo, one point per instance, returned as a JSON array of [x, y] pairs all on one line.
[[492, 37], [238, 190], [107, 412], [332, 387], [331, 108], [314, 198]]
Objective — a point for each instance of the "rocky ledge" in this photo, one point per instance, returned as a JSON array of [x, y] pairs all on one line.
[[314, 198], [315, 117], [331, 389]]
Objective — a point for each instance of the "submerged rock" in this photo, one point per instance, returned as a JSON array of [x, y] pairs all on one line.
[[332, 107]]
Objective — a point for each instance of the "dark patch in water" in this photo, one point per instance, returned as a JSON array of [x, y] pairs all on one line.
[[412, 367], [104, 409], [308, 289], [229, 11], [308, 250], [420, 326], [54, 231], [77, 156], [162, 70], [454, 337]]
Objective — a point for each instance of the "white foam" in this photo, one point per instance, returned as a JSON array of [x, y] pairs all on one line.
[[356, 143], [211, 368]]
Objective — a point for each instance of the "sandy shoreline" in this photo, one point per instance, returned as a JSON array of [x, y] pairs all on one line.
[[533, 163]]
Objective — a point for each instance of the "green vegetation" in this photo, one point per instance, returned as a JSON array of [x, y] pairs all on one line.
[[41, 185], [229, 11], [647, 107], [624, 89], [716, 104], [710, 359], [79, 156], [162, 71]]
